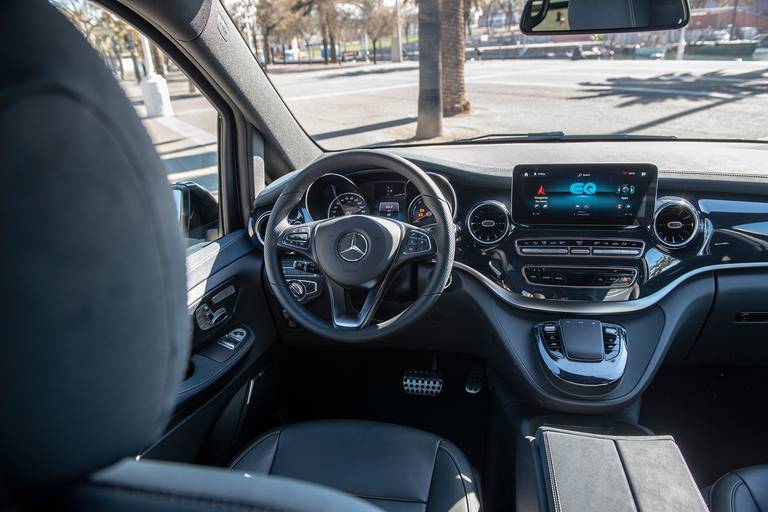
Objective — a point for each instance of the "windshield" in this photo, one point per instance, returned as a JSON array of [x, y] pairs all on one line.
[[338, 68]]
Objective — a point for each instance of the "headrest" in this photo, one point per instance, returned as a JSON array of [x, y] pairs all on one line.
[[95, 324]]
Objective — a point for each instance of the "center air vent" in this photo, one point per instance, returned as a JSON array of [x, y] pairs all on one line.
[[676, 223], [488, 222]]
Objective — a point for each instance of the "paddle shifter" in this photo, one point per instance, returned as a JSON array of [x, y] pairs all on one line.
[[583, 355]]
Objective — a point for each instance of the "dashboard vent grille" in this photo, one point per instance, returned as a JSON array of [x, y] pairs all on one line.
[[488, 222], [676, 224]]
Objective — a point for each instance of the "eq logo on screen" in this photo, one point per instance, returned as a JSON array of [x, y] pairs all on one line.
[[580, 188]]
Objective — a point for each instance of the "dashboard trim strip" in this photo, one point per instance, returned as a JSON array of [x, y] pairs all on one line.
[[595, 308]]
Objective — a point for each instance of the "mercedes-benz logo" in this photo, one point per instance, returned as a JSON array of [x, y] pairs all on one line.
[[353, 247]]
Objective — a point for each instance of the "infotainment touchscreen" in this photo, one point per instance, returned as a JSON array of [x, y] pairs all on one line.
[[584, 194]]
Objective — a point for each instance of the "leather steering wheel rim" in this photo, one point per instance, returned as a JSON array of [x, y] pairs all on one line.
[[443, 233]]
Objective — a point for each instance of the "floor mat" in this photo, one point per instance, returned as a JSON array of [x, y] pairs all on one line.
[[366, 384]]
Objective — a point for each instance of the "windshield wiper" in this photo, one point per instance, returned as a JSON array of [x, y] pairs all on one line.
[[557, 136]]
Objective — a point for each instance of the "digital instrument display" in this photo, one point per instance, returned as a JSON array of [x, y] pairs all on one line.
[[584, 194], [389, 197]]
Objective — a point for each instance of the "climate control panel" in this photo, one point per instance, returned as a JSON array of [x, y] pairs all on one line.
[[615, 248], [583, 277]]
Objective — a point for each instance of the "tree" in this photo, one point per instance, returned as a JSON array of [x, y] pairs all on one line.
[[328, 20], [429, 121], [269, 15], [452, 56], [378, 20]]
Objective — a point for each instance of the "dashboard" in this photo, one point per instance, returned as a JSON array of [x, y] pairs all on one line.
[[672, 263]]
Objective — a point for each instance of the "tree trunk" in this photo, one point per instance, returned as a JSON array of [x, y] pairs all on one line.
[[129, 42], [374, 50], [267, 52], [452, 57], [159, 61], [429, 122], [325, 45], [334, 56], [118, 56]]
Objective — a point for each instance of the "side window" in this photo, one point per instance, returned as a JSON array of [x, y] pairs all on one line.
[[181, 122]]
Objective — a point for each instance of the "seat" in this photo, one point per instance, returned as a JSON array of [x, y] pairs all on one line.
[[742, 490], [396, 468], [95, 320]]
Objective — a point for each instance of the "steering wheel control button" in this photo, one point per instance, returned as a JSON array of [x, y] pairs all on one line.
[[417, 242], [353, 246], [297, 237]]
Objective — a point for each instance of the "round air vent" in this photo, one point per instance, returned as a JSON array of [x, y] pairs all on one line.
[[676, 223], [260, 226], [488, 222]]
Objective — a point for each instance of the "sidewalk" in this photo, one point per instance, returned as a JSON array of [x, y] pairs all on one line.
[[186, 141]]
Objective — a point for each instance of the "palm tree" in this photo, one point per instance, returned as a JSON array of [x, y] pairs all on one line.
[[452, 57], [429, 121]]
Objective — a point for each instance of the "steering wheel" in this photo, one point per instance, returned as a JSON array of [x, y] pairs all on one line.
[[359, 253]]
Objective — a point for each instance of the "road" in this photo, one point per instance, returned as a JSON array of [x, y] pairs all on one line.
[[377, 104], [359, 105]]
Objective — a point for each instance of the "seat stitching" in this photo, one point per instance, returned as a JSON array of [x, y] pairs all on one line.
[[732, 494], [711, 492], [254, 445], [749, 490], [274, 455], [458, 469], [193, 499], [432, 476]]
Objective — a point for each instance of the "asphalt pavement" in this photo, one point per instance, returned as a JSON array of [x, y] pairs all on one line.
[[355, 105]]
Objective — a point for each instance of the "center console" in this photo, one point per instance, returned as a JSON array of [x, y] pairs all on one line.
[[583, 356]]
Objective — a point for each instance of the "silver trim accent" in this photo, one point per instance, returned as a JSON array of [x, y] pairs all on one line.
[[595, 308], [544, 250], [666, 202], [590, 253], [497, 204], [359, 250], [256, 224], [306, 193]]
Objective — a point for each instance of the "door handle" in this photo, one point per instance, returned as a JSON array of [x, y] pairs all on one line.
[[208, 318]]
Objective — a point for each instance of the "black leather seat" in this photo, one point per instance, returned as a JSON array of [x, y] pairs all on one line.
[[95, 320], [395, 468], [742, 490]]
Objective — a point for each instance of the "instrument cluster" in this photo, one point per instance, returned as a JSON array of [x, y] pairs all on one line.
[[373, 193]]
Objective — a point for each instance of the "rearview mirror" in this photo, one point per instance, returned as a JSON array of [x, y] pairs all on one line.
[[549, 17]]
